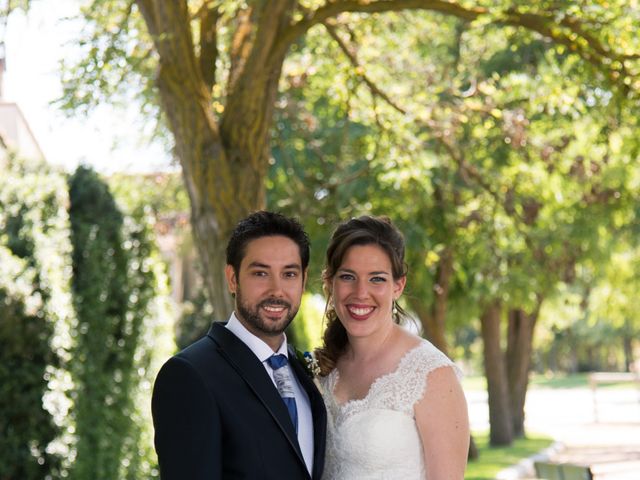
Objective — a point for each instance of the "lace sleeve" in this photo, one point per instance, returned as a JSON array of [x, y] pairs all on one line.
[[413, 373]]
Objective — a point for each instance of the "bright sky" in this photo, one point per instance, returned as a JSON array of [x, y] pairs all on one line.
[[109, 140]]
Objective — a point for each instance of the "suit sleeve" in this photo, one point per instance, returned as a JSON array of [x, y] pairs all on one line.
[[187, 424]]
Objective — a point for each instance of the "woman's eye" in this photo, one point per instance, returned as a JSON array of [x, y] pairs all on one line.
[[345, 276], [378, 279]]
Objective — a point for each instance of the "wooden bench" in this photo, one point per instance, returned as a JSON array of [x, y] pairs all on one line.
[[562, 471]]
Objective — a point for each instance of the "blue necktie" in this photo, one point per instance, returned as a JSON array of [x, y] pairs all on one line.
[[284, 385]]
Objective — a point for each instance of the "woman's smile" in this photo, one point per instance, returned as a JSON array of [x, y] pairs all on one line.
[[360, 312]]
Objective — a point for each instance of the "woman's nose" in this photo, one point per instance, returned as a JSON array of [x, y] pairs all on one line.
[[361, 288]]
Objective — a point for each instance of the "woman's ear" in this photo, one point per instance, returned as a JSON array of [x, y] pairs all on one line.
[[326, 288], [398, 287]]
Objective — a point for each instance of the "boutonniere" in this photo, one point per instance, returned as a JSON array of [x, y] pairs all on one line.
[[311, 366], [309, 363]]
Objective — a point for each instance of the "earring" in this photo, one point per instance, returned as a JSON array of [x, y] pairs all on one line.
[[394, 310]]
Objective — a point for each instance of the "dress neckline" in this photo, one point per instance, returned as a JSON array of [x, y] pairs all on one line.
[[355, 401]]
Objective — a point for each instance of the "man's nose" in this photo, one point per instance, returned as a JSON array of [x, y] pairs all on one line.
[[276, 286]]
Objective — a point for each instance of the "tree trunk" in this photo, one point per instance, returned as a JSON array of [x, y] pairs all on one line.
[[501, 432], [627, 343], [518, 360], [223, 164], [433, 317], [473, 453]]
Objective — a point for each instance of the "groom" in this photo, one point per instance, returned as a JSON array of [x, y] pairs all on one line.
[[237, 403]]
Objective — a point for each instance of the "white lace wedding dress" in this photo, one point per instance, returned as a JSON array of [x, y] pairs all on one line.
[[376, 437]]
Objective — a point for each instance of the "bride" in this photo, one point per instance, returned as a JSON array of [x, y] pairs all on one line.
[[395, 404]]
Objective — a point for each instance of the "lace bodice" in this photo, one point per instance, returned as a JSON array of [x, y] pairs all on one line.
[[376, 437]]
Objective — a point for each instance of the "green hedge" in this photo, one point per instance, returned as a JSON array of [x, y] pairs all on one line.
[[119, 292], [35, 320]]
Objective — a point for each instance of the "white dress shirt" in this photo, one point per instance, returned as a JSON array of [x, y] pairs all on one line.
[[263, 352]]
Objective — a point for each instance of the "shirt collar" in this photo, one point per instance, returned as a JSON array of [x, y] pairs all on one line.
[[255, 344]]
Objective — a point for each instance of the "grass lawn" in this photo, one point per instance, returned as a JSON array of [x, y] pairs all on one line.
[[492, 460], [559, 380]]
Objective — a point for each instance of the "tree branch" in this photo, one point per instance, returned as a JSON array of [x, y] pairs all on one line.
[[260, 26], [465, 169], [576, 26], [375, 90], [467, 172], [209, 16], [569, 31], [332, 9], [149, 15], [169, 24], [240, 43], [585, 45]]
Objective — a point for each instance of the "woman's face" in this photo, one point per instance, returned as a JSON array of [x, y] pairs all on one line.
[[364, 289]]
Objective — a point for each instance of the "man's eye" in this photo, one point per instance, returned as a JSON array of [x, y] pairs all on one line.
[[259, 274], [291, 274]]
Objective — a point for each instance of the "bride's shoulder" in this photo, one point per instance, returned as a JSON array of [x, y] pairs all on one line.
[[415, 369], [424, 357]]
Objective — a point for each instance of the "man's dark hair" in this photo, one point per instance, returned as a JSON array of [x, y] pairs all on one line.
[[265, 224]]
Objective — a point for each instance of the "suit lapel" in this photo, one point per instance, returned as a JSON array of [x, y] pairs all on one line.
[[251, 370], [318, 412]]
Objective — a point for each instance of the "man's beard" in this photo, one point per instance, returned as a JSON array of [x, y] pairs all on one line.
[[266, 326]]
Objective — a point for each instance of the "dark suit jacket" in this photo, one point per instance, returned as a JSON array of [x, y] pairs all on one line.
[[217, 415]]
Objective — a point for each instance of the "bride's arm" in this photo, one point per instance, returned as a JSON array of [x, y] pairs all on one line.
[[443, 423]]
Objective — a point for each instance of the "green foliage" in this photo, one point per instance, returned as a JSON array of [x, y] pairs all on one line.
[[147, 202], [114, 53], [115, 286], [25, 356], [161, 194], [596, 312], [163, 199], [8, 6], [305, 332], [35, 317], [195, 320], [613, 297], [492, 144]]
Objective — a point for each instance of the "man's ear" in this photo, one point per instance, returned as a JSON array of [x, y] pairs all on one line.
[[232, 281], [305, 275]]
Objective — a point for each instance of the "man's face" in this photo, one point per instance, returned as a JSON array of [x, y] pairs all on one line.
[[268, 287]]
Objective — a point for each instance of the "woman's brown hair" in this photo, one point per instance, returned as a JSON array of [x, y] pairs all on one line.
[[365, 230]]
